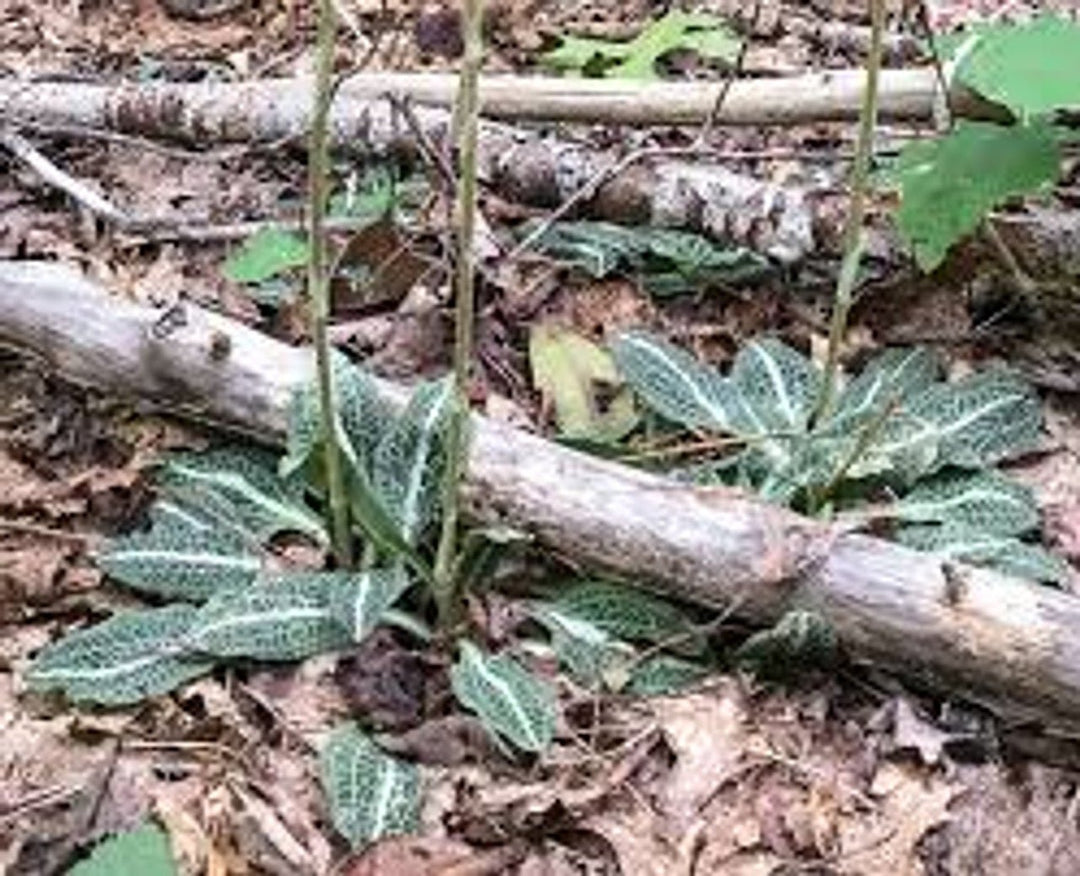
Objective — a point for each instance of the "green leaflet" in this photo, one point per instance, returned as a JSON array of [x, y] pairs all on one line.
[[636, 59], [675, 384], [359, 600], [182, 557], [408, 463], [1032, 68], [511, 703], [143, 851], [1004, 553], [982, 501], [668, 261], [242, 488], [266, 254], [777, 385], [798, 640], [663, 674], [131, 656], [370, 793], [284, 617], [626, 613], [893, 376], [946, 190]]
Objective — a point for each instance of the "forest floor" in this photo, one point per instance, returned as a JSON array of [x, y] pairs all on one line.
[[842, 773]]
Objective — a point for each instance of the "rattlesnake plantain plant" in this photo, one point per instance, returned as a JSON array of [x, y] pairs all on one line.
[[897, 430]]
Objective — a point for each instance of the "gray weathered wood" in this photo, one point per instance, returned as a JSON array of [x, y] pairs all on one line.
[[1003, 642]]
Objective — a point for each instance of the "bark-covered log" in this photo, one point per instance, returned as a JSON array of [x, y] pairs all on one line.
[[1003, 642], [273, 109]]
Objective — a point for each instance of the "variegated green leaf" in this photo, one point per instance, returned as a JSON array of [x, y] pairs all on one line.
[[359, 600], [370, 793], [1004, 553], [183, 556], [984, 501], [982, 419], [591, 655], [285, 617], [664, 674], [778, 387], [408, 464], [896, 374], [127, 658], [798, 640], [675, 384], [242, 487], [511, 703], [627, 613]]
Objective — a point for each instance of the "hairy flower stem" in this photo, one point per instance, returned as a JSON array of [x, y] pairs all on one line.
[[457, 437], [853, 229], [319, 284]]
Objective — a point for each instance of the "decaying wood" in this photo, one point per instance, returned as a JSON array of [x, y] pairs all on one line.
[[1006, 643], [275, 109]]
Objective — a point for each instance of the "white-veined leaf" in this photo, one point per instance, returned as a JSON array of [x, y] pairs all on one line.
[[123, 660], [370, 793], [592, 656], [798, 640], [895, 375], [359, 600], [280, 617], [983, 501], [407, 472], [183, 556], [982, 419], [675, 384], [1004, 553], [663, 674], [510, 702], [777, 385], [243, 487], [627, 613]]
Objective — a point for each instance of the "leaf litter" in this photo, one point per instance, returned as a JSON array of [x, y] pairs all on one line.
[[726, 779]]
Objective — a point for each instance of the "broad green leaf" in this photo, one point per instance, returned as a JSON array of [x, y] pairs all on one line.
[[627, 613], [982, 501], [241, 487], [663, 674], [694, 256], [1031, 68], [280, 617], [675, 384], [593, 659], [370, 794], [408, 464], [181, 557], [970, 423], [637, 59], [571, 371], [798, 640], [891, 377], [1004, 553], [144, 851], [128, 658], [982, 419], [597, 248], [777, 385], [359, 600], [511, 703], [948, 185], [264, 255]]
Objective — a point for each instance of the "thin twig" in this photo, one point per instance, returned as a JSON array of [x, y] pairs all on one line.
[[735, 72], [25, 151]]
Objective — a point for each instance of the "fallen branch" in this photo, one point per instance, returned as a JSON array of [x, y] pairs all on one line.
[[274, 109], [1011, 645]]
